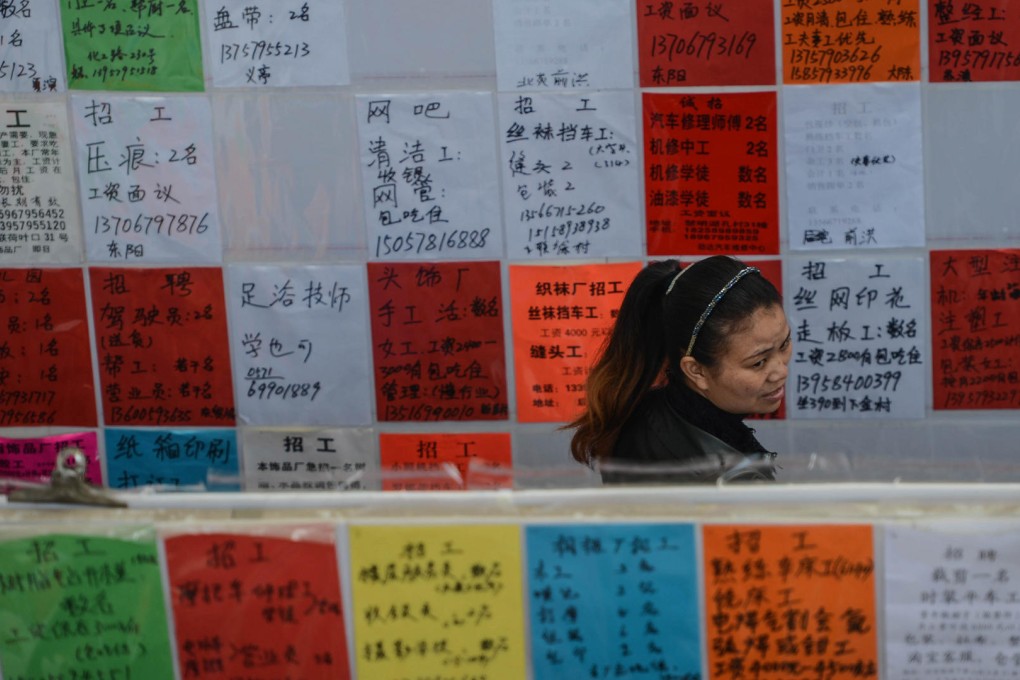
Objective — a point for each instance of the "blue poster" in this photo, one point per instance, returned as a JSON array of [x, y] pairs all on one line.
[[614, 600], [172, 460]]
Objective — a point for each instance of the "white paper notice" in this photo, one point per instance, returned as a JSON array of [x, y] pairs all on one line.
[[564, 44], [854, 176], [570, 175], [952, 603], [859, 337], [30, 57], [147, 180], [299, 42], [310, 460], [38, 206], [428, 164], [299, 342]]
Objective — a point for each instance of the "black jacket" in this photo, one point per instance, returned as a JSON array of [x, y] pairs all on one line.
[[678, 436]]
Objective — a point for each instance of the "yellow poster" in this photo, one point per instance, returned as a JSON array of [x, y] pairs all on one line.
[[437, 601]]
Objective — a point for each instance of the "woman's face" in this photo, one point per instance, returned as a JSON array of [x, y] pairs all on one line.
[[750, 376]]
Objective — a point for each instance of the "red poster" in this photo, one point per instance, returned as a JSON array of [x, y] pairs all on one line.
[[162, 346], [561, 316], [851, 41], [728, 42], [437, 341], [445, 461], [711, 178], [973, 41], [256, 607], [786, 602], [45, 356], [975, 328]]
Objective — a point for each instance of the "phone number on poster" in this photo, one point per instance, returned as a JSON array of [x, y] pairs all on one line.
[[703, 45], [425, 242], [283, 391], [145, 225]]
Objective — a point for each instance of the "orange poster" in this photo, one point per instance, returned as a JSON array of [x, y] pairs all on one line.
[[788, 602], [728, 42], [561, 316], [257, 607], [162, 344], [977, 41], [445, 461], [437, 341], [711, 178], [45, 356], [975, 329], [850, 41]]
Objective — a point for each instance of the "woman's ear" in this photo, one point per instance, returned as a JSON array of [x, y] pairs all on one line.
[[695, 372]]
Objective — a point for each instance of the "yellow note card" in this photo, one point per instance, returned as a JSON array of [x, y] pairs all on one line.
[[437, 601]]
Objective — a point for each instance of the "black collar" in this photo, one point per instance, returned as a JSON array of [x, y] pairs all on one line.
[[702, 413]]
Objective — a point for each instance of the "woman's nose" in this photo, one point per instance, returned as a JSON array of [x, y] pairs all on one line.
[[781, 368]]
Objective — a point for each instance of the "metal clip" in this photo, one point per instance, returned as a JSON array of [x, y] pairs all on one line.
[[67, 484]]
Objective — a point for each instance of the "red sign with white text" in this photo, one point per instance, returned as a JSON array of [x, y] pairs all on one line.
[[711, 177]]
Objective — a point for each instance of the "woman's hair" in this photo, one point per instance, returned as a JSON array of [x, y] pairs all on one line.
[[658, 319]]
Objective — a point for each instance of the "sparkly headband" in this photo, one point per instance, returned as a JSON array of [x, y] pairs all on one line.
[[711, 305], [675, 279]]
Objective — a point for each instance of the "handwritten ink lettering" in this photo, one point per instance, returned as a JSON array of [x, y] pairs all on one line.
[[29, 56], [172, 460], [627, 579], [974, 328], [428, 175], [546, 45], [799, 605], [715, 43], [972, 43], [256, 606], [131, 46], [139, 315], [254, 45], [950, 596], [300, 352], [45, 352], [437, 341], [571, 174], [148, 194], [850, 42], [437, 601], [93, 599], [858, 336]]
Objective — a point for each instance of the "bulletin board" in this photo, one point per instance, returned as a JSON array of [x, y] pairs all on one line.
[[375, 245], [839, 581]]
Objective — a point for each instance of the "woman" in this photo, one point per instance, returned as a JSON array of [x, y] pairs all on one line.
[[692, 353]]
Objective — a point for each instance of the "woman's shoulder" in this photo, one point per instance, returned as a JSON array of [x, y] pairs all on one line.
[[656, 431], [659, 445]]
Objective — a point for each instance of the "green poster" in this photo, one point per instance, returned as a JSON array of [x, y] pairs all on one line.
[[87, 605], [149, 45]]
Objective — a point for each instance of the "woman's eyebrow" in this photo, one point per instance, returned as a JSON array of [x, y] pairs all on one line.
[[766, 350]]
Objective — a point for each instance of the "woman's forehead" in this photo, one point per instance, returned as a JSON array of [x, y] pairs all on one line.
[[765, 328]]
